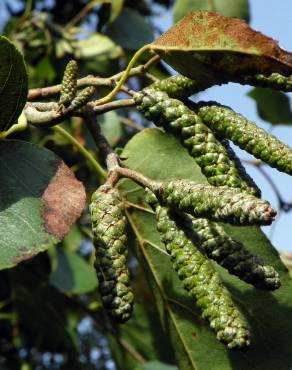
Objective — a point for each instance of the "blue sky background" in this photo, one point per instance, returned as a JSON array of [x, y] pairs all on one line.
[[273, 18]]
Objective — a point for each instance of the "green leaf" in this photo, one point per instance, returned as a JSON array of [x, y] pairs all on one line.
[[99, 53], [156, 365], [71, 273], [229, 8], [116, 7], [203, 43], [130, 30], [272, 106], [136, 333], [73, 239], [111, 127], [40, 199], [13, 83], [96, 45], [194, 344]]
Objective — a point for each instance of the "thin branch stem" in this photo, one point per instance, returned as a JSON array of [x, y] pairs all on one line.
[[286, 207], [99, 139], [85, 153], [109, 156], [137, 177], [110, 82], [49, 114], [83, 13], [155, 59], [129, 122], [141, 69], [124, 76], [132, 351], [116, 104], [140, 208]]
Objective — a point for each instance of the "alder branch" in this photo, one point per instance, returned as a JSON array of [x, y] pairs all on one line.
[[49, 114], [109, 82]]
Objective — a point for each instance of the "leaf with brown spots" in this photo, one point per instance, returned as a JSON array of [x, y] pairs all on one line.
[[40, 199], [205, 42]]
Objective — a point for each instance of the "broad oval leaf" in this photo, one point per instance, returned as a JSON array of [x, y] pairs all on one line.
[[229, 8], [13, 83], [206, 41], [194, 344], [40, 199]]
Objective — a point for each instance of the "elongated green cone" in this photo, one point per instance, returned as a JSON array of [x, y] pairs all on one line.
[[82, 97], [275, 81], [216, 159], [69, 84], [229, 124], [230, 254], [181, 87], [109, 237], [215, 203], [203, 283]]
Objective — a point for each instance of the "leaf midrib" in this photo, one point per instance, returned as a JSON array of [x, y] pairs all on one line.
[[142, 243]]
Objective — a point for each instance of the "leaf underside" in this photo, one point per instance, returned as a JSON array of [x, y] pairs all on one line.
[[204, 41], [194, 344]]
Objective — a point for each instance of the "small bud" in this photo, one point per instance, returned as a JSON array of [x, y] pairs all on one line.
[[82, 98]]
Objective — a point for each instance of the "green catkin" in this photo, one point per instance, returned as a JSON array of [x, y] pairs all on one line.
[[229, 124], [275, 81], [109, 237], [181, 87], [230, 253], [221, 204], [82, 98], [203, 283], [69, 84], [216, 159]]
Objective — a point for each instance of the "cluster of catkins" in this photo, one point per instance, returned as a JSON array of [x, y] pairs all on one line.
[[187, 213], [70, 97]]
